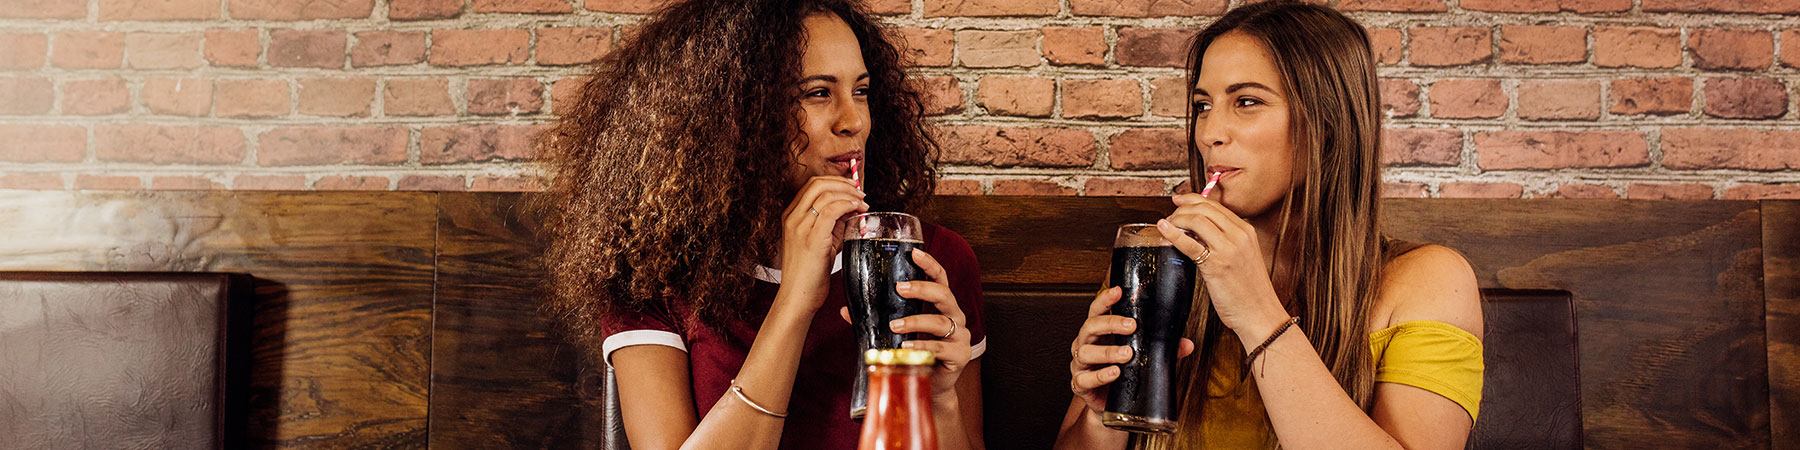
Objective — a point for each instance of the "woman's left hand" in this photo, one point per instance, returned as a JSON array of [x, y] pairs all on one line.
[[1230, 261], [952, 343]]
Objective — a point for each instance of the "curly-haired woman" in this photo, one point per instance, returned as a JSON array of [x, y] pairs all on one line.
[[699, 185]]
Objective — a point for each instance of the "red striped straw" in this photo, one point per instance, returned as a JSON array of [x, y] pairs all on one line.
[[1211, 182], [856, 171]]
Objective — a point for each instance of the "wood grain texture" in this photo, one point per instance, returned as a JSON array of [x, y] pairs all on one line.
[[1668, 299], [501, 376], [343, 293], [1781, 277], [1044, 240]]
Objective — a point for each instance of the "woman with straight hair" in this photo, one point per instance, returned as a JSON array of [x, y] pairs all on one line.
[[701, 183], [1323, 334]]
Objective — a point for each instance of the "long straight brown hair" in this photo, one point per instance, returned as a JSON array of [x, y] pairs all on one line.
[[1330, 221]]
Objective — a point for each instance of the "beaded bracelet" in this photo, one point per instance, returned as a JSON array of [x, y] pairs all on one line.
[[1248, 361]]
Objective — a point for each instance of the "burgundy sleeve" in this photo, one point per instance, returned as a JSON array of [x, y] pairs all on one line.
[[625, 329]]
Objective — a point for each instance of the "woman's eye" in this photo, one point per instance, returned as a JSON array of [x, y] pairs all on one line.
[[818, 93], [861, 91], [1244, 102], [1202, 106]]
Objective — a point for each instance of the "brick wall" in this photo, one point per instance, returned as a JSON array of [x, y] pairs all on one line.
[[1682, 99]]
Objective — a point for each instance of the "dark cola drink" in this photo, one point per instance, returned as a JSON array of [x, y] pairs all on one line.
[[1157, 284], [877, 254]]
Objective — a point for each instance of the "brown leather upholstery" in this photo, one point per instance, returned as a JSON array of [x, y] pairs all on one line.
[[117, 360]]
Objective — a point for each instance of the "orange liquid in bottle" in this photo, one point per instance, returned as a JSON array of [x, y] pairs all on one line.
[[899, 415]]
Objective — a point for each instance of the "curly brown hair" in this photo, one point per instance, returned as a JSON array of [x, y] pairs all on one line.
[[669, 172]]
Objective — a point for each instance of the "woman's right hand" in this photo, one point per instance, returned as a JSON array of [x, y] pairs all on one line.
[[1094, 366], [812, 232]]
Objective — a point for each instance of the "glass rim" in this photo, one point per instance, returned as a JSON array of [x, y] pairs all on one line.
[[883, 213]]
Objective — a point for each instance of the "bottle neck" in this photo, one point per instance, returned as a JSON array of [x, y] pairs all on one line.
[[900, 416]]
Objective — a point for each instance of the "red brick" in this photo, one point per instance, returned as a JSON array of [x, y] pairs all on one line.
[[886, 7], [940, 95], [1504, 150], [1723, 6], [111, 10], [43, 9], [43, 143], [95, 97], [1464, 189], [1017, 96], [31, 182], [1403, 190], [351, 183], [1149, 149], [1399, 98], [424, 10], [1179, 8], [1672, 95], [1133, 187], [989, 8], [1421, 147], [26, 95], [169, 144], [322, 49], [184, 184], [564, 93], [505, 96], [1418, 6], [1387, 45], [958, 187], [23, 50], [928, 47], [1169, 97], [108, 183], [477, 143], [299, 10], [1745, 98], [512, 184], [336, 97], [1467, 99], [251, 98], [522, 6], [1030, 187], [986, 49], [1547, 6], [1523, 44], [162, 51], [417, 97], [1647, 47], [1153, 47], [1102, 99], [322, 145], [1653, 191], [388, 48], [1583, 191], [1559, 100], [269, 183], [430, 183], [479, 47], [233, 48], [1722, 148], [1016, 146], [627, 6], [1075, 45], [571, 46], [1790, 48], [1732, 49], [178, 96], [1763, 192], [88, 50], [1443, 46]]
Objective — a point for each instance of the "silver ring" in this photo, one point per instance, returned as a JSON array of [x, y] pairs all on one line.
[[952, 329], [815, 212], [1205, 254]]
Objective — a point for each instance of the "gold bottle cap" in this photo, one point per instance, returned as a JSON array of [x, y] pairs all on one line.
[[900, 357]]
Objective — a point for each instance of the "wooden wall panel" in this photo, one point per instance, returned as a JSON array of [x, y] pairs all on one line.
[[343, 284], [1781, 269], [1668, 299]]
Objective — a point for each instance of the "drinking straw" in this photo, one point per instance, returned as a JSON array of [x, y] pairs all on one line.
[[1211, 182], [856, 172]]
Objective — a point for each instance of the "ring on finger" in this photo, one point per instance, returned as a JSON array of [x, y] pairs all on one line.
[[814, 212], [1205, 254], [952, 329]]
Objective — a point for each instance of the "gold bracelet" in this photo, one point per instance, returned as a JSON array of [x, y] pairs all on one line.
[[746, 399]]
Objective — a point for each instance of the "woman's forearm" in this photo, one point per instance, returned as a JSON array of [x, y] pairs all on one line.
[[1306, 405], [767, 378], [1082, 430]]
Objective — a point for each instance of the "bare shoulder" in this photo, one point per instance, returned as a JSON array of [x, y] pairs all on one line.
[[1434, 283]]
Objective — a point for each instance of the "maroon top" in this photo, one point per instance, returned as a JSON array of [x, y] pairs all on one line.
[[819, 409]]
